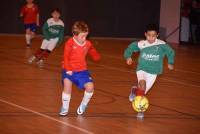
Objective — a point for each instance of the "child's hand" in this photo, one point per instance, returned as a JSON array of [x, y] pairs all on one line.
[[69, 72], [129, 61], [170, 66], [38, 24]]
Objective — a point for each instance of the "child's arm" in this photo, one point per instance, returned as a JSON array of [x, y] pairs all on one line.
[[22, 12], [133, 47], [67, 51], [170, 56], [38, 17], [94, 54], [45, 31], [61, 36], [38, 20]]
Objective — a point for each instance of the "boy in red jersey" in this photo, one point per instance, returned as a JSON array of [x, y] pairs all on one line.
[[30, 14], [75, 67]]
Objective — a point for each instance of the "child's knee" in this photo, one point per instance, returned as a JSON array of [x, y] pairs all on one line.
[[89, 87], [142, 84]]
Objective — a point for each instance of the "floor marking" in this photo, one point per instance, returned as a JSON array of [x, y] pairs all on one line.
[[46, 116]]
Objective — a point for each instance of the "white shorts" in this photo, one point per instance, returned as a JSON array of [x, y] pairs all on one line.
[[149, 78], [49, 44]]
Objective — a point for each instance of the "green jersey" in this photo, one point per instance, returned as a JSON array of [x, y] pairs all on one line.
[[53, 29], [151, 55]]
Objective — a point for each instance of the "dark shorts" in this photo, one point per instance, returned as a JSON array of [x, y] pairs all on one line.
[[32, 27], [78, 78]]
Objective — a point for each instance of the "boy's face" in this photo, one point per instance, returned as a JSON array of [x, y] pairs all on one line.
[[81, 37], [55, 15], [151, 36]]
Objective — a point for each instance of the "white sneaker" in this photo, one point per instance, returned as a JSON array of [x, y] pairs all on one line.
[[81, 109], [40, 63], [63, 112], [31, 59], [132, 94]]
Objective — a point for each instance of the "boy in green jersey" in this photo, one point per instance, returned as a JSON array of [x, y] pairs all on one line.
[[150, 61], [53, 31]]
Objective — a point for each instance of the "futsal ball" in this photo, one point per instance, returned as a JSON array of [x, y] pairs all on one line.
[[140, 104]]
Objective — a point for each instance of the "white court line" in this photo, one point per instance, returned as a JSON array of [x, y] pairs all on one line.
[[46, 116], [117, 69]]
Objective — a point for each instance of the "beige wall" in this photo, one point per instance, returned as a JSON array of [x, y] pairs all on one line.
[[170, 18]]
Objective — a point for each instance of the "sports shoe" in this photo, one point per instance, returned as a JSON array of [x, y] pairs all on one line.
[[81, 109], [40, 63], [31, 59], [140, 115], [63, 112], [132, 94]]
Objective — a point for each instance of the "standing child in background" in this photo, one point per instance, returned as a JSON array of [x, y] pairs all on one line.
[[75, 67], [30, 14], [53, 31], [150, 62]]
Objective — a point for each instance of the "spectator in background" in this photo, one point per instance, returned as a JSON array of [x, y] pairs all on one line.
[[195, 21], [185, 22]]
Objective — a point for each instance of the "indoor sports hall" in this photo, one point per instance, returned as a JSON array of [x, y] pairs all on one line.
[[30, 95]]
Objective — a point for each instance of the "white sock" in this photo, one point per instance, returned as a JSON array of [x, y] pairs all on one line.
[[65, 100], [86, 98], [28, 38]]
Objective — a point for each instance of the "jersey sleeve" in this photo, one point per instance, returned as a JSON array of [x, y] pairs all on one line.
[[67, 51], [133, 47], [61, 35], [22, 11], [37, 9], [170, 53], [94, 54], [45, 31]]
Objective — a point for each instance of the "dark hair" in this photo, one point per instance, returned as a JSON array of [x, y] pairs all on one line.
[[56, 10], [152, 27]]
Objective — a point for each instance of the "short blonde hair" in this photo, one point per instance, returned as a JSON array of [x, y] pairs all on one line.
[[79, 27]]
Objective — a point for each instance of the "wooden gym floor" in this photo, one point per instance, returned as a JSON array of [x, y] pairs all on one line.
[[30, 97]]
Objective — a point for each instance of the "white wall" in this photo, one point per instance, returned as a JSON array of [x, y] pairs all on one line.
[[170, 18]]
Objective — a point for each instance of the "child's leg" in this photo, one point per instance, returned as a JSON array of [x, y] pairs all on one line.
[[36, 56], [48, 45], [38, 53], [41, 52], [32, 31], [66, 96], [146, 81], [150, 80], [32, 35], [140, 89], [89, 89], [28, 36]]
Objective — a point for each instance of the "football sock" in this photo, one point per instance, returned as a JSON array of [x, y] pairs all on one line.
[[65, 100], [139, 92], [86, 98]]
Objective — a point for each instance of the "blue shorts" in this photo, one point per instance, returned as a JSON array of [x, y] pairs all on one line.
[[32, 27], [78, 78]]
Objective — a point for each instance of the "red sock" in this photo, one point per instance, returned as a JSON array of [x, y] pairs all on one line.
[[38, 53], [45, 54], [139, 92]]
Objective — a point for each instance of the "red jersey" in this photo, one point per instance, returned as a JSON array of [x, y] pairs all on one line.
[[30, 14], [75, 55]]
